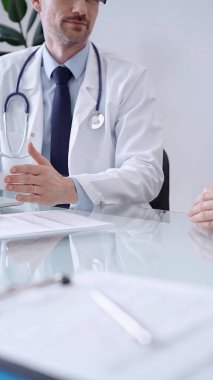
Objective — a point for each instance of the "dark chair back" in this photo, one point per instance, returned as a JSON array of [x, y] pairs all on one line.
[[161, 202]]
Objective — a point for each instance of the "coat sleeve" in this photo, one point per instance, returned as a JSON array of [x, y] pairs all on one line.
[[137, 175]]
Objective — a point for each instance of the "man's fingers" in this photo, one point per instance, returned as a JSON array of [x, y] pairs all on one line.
[[26, 179], [29, 198], [41, 160], [26, 169], [31, 169], [28, 189]]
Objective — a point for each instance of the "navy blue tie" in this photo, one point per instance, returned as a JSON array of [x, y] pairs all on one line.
[[61, 121]]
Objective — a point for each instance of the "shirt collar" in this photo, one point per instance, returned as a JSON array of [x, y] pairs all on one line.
[[75, 64]]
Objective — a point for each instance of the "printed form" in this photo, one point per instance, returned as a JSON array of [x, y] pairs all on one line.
[[19, 225]]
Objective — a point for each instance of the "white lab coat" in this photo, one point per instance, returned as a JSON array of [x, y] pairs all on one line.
[[119, 163]]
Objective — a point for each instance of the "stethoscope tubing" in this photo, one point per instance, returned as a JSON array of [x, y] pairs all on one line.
[[17, 92], [100, 80], [11, 96]]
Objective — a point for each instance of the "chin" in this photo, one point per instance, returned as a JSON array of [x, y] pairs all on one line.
[[69, 38], [74, 40]]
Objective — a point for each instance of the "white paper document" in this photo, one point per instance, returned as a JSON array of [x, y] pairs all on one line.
[[19, 225], [62, 331]]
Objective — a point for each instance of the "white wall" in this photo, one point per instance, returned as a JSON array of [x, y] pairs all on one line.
[[174, 38]]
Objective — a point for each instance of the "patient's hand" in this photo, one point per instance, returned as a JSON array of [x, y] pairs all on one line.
[[202, 211]]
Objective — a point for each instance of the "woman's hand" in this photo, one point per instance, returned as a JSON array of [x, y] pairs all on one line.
[[202, 211]]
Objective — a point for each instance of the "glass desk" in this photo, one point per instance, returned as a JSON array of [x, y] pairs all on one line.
[[142, 242]]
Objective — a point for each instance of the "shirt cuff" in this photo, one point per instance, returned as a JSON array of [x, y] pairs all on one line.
[[83, 201]]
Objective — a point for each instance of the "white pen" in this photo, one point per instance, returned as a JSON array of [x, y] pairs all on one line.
[[134, 328]]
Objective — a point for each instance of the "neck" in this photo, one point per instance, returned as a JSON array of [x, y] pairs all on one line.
[[62, 53]]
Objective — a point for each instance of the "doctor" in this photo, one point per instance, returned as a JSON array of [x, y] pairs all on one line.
[[92, 137]]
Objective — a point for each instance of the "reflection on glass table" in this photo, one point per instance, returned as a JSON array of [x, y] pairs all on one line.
[[142, 242], [27, 259], [203, 241], [126, 247]]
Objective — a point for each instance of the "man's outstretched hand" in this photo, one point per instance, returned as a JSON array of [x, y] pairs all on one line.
[[40, 183]]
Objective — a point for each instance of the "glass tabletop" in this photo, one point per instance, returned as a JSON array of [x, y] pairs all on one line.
[[142, 242]]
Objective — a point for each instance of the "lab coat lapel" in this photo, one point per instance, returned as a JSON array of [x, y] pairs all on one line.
[[85, 105], [87, 98], [32, 87]]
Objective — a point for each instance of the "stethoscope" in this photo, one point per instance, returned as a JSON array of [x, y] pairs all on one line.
[[96, 121]]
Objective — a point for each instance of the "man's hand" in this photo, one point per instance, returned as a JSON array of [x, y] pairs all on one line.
[[202, 211], [41, 183]]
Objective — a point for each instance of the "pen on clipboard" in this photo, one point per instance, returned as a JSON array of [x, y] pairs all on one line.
[[134, 328], [58, 278]]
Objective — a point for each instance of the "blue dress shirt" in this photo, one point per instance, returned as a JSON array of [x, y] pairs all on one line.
[[77, 65]]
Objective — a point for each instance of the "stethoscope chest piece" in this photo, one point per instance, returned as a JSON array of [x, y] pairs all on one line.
[[97, 121]]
